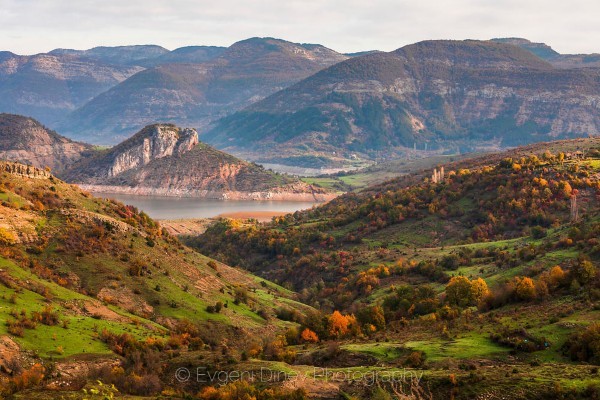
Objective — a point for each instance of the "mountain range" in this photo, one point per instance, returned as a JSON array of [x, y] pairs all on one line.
[[443, 96], [195, 94], [278, 102]]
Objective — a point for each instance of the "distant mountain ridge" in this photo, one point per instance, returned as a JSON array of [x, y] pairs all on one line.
[[198, 94], [444, 96], [49, 86], [546, 52], [118, 55]]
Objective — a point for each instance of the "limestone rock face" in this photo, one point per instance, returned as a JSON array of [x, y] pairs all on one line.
[[166, 160], [160, 141]]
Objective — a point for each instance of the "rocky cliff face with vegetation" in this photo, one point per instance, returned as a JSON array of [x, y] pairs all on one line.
[[164, 159], [25, 140], [444, 96]]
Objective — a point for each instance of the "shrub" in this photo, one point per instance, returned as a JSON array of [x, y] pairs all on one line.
[[538, 232], [416, 359], [450, 262], [7, 237], [28, 378], [583, 271], [49, 316], [584, 345]]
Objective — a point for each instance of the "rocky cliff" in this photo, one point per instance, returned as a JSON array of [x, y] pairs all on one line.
[[25, 140], [443, 96], [163, 159], [162, 141]]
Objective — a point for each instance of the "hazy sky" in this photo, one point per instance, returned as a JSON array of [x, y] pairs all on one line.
[[31, 26]]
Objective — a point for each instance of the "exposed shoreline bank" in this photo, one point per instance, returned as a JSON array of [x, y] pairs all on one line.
[[274, 195]]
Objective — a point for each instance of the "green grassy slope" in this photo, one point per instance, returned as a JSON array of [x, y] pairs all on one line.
[[78, 272], [400, 245]]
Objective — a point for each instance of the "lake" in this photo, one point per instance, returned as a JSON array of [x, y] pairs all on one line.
[[159, 207]]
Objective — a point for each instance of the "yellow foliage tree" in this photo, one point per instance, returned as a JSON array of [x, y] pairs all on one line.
[[463, 292], [458, 291], [479, 289], [7, 237], [525, 288], [557, 276]]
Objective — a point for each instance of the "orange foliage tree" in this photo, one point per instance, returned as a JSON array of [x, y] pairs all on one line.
[[309, 336], [341, 325]]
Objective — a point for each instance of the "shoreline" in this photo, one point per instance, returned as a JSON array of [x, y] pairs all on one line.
[[275, 195], [260, 216], [197, 226]]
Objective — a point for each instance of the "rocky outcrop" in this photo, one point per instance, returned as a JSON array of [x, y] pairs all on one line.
[[23, 170], [165, 160], [160, 141], [25, 140]]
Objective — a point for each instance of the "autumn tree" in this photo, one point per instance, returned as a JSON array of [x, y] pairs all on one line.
[[479, 289], [525, 288], [373, 316], [309, 336], [341, 325], [556, 276], [463, 292], [458, 291], [584, 271]]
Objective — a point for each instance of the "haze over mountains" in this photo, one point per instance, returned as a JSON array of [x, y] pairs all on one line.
[[279, 102], [197, 94]]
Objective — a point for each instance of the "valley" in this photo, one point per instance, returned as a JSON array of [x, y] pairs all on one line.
[[275, 220], [479, 284]]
